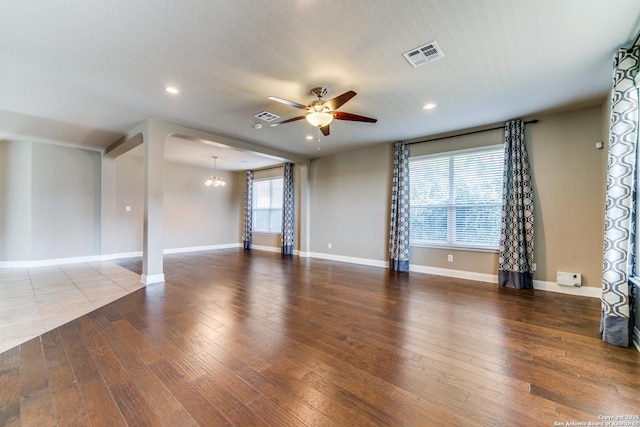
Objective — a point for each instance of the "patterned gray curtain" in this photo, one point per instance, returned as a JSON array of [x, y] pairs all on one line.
[[288, 207], [619, 224], [399, 226], [247, 231], [516, 237]]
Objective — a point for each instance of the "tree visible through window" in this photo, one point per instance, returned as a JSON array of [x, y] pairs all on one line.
[[267, 206], [456, 198]]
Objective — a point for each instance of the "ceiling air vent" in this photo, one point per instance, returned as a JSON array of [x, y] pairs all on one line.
[[266, 116], [423, 54]]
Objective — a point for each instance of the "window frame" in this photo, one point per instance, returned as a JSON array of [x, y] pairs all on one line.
[[271, 208], [451, 206]]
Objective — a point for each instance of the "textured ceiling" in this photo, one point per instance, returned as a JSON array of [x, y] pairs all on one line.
[[86, 72]]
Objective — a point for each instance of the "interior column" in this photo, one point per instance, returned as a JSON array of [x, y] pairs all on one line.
[[152, 262]]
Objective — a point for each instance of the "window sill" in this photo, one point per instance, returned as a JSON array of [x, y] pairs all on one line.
[[453, 247], [271, 233]]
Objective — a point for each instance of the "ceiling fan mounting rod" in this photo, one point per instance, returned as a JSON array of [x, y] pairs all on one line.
[[319, 91]]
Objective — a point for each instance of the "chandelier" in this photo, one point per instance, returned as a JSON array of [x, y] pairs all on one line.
[[215, 181]]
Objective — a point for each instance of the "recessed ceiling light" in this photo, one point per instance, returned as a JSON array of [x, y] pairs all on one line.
[[429, 106], [172, 90], [308, 137]]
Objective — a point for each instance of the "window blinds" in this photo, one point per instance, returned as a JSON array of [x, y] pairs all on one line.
[[456, 198]]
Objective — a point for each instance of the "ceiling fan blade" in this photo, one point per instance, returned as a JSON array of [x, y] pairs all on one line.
[[288, 121], [289, 103], [339, 100], [353, 117], [325, 130]]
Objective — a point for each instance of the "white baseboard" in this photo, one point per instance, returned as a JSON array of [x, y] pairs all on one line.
[[121, 255], [459, 274], [71, 260], [540, 285], [202, 248], [585, 291], [108, 257], [351, 260], [49, 262], [151, 278]]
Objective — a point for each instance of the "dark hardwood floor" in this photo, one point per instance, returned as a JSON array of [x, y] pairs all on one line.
[[252, 339]]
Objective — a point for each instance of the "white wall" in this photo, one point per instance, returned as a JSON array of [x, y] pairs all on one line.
[[50, 204], [197, 215], [51, 201], [15, 232], [194, 215], [129, 181], [569, 185], [4, 164], [350, 201], [65, 202]]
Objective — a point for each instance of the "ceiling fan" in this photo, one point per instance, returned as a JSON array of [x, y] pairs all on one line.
[[320, 113]]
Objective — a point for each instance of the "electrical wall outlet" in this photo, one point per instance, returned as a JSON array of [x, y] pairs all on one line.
[[450, 258], [328, 245]]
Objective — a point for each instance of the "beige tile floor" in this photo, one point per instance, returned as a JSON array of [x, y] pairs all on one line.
[[36, 300]]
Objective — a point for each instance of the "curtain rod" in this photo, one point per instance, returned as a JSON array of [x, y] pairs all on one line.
[[266, 168], [466, 133]]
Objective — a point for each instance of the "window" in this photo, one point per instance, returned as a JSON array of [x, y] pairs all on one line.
[[267, 206], [456, 198]]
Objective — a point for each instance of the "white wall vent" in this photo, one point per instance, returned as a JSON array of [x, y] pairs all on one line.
[[423, 54], [569, 279], [267, 116]]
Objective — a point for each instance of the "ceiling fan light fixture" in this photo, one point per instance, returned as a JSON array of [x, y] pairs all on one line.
[[320, 113], [319, 119]]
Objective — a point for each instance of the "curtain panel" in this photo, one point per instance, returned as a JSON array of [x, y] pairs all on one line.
[[516, 237], [247, 229], [399, 224], [288, 206], [620, 202]]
